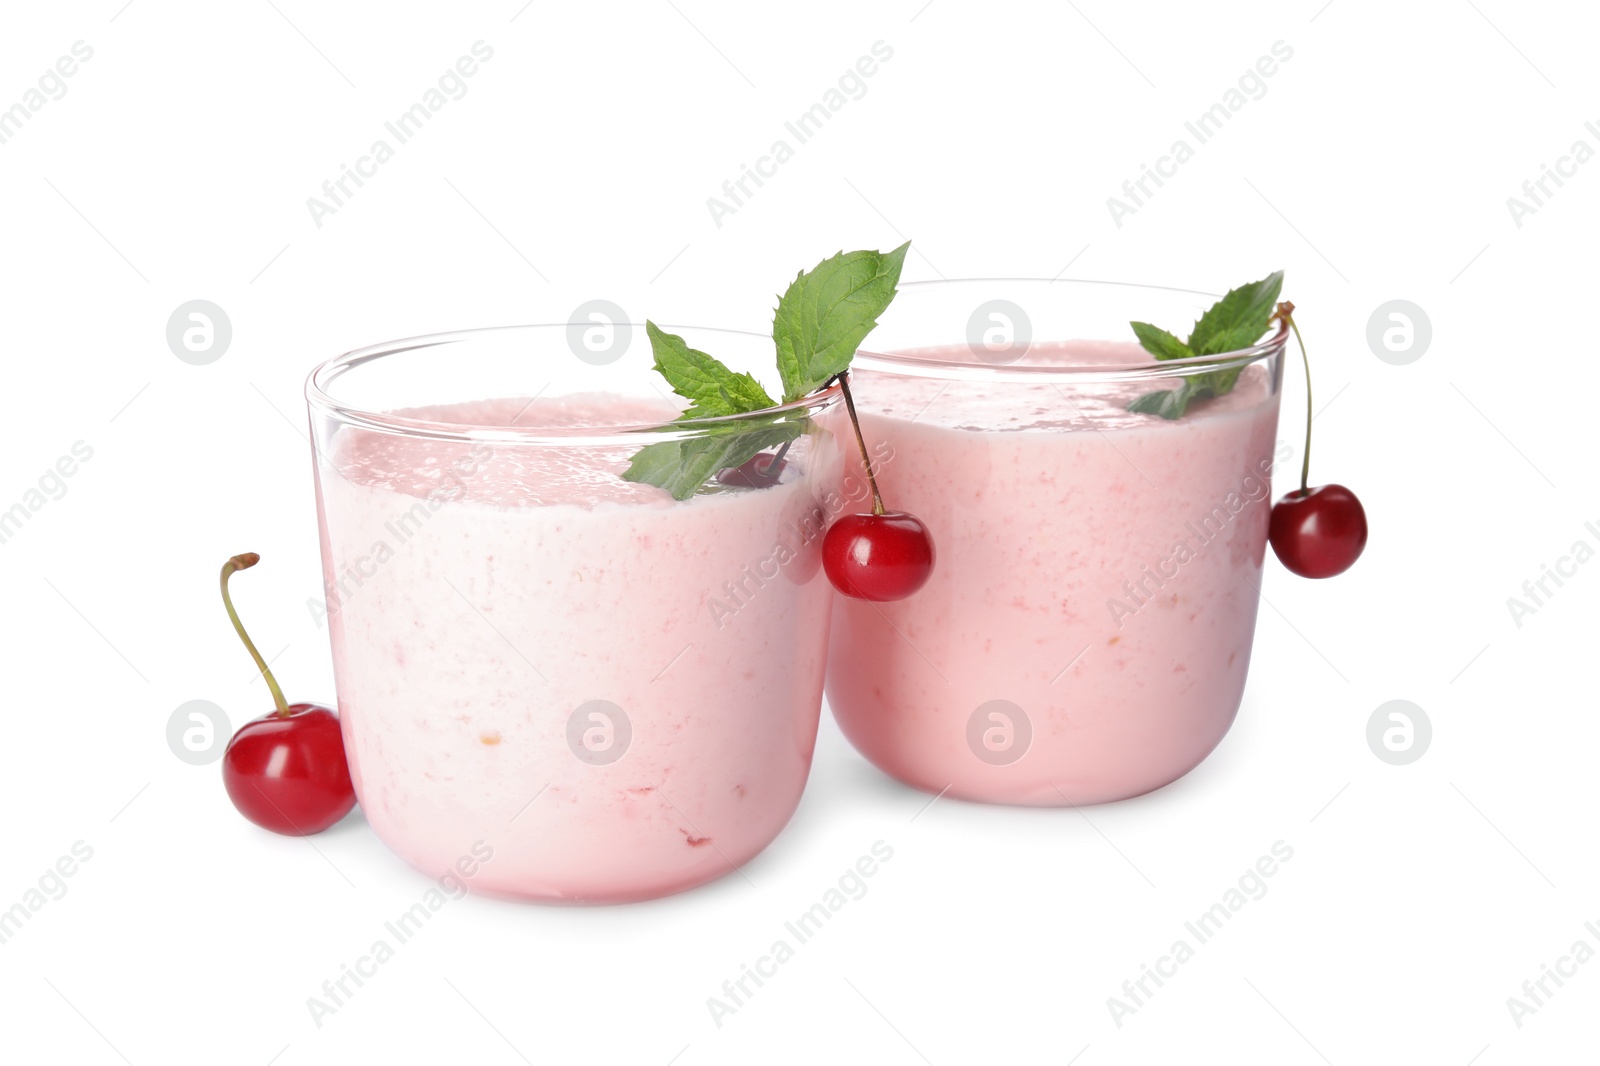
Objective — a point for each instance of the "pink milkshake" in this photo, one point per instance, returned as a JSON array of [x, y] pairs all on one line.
[[617, 692], [1087, 629]]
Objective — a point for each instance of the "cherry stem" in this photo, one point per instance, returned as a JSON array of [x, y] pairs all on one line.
[[1286, 312], [866, 463], [245, 562], [771, 468]]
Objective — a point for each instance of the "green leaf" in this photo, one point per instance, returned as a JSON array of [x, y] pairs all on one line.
[[820, 321], [681, 467], [713, 391], [710, 387], [1238, 319], [1169, 403], [827, 312], [1218, 382], [1159, 343]]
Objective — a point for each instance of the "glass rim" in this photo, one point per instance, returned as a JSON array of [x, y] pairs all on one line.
[[321, 378], [911, 365]]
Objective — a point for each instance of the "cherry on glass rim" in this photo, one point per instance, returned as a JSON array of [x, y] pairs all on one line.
[[285, 771], [1321, 531], [882, 556]]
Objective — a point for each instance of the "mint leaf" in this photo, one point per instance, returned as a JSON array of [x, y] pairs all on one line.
[[1236, 321], [1169, 403], [681, 467], [710, 387], [827, 312], [713, 391], [820, 321], [1159, 343], [1172, 403]]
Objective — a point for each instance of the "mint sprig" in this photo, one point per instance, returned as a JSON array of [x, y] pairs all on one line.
[[681, 467], [710, 387], [1236, 321], [827, 312], [820, 322], [713, 391]]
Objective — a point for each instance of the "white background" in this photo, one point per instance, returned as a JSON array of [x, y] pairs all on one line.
[[1376, 167]]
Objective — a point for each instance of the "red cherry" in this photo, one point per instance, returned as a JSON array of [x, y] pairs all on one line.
[[756, 472], [287, 772], [885, 555], [878, 556], [1318, 532]]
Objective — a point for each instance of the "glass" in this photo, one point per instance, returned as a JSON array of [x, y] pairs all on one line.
[[1087, 628], [571, 684]]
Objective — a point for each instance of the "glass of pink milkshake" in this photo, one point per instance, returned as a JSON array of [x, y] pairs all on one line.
[[612, 691], [1085, 634]]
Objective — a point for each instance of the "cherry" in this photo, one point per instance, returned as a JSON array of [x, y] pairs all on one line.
[[1318, 532], [285, 771], [1315, 532], [879, 556], [885, 555], [756, 472]]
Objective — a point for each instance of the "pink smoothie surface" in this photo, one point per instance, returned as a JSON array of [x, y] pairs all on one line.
[[533, 653], [1087, 628]]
